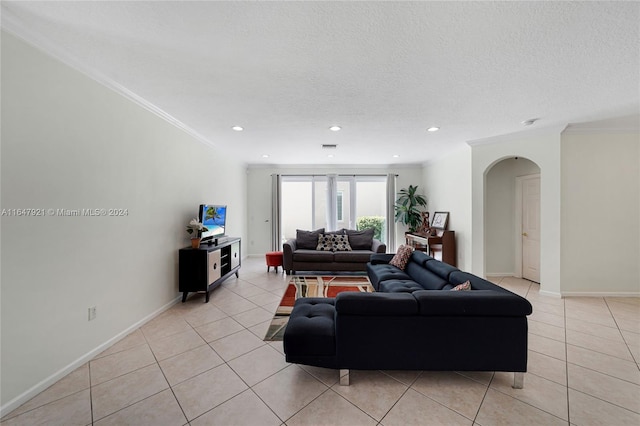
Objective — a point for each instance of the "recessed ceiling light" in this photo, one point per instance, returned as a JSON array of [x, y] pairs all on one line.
[[396, 156], [529, 122], [265, 155], [238, 128], [330, 155], [433, 129], [335, 128]]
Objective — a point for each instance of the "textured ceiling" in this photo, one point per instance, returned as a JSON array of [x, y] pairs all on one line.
[[384, 71]]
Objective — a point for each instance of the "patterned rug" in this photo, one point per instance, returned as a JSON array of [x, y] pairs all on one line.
[[312, 286]]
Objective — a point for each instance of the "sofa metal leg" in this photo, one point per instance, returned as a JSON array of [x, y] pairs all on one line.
[[518, 380], [344, 377]]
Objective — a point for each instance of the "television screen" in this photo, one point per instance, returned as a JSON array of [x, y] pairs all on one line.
[[214, 218]]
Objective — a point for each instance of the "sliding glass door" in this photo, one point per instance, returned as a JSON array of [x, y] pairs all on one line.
[[302, 204], [370, 208], [333, 202]]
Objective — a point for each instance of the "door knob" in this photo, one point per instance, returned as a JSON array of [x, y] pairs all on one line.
[[524, 234]]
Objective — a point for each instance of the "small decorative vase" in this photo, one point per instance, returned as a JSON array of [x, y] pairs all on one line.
[[195, 243]]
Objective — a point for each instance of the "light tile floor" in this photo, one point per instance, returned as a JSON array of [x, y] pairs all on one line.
[[206, 364]]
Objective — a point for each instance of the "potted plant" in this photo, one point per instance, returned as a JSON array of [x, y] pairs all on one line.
[[195, 229], [407, 207]]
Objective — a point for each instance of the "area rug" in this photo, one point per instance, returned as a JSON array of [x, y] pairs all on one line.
[[312, 286]]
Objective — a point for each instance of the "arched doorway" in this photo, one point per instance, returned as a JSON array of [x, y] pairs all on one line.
[[512, 218]]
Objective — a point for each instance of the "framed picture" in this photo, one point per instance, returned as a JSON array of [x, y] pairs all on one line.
[[440, 220]]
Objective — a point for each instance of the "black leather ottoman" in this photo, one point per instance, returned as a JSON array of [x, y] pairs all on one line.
[[310, 335]]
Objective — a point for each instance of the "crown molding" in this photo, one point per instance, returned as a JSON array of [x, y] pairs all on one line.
[[14, 26], [627, 124], [554, 130], [600, 130]]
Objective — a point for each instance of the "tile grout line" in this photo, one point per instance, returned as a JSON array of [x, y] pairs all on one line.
[[596, 371], [226, 362], [620, 331], [400, 397], [328, 388], [486, 391], [525, 402], [167, 380], [157, 363], [90, 391], [566, 357], [265, 402]]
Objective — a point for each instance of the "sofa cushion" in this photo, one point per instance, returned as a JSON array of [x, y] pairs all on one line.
[[383, 272], [427, 279], [360, 240], [380, 304], [402, 257], [312, 256], [420, 257], [340, 231], [381, 258], [441, 269], [311, 327], [359, 256], [308, 240], [486, 303], [399, 286]]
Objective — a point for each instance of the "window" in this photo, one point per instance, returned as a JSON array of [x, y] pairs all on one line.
[[359, 202]]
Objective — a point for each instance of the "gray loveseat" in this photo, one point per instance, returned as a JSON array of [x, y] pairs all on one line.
[[302, 253]]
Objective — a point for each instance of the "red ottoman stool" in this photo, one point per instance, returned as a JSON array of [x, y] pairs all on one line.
[[274, 258]]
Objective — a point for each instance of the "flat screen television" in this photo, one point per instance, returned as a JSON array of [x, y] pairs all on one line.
[[214, 218]]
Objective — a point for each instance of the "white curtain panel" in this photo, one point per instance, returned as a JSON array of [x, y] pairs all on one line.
[[391, 223], [332, 208], [276, 243]]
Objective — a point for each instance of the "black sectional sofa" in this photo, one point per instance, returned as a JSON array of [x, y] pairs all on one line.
[[413, 322]]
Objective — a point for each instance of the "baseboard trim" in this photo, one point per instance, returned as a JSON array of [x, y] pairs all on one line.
[[551, 294], [600, 294], [500, 274], [44, 384]]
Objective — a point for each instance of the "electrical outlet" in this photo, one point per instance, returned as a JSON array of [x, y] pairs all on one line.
[[92, 313]]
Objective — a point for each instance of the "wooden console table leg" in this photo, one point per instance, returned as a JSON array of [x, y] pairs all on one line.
[[184, 296]]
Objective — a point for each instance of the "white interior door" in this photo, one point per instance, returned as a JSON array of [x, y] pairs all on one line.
[[531, 228]]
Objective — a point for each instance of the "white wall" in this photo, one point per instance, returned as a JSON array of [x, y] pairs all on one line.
[[500, 207], [69, 142], [543, 148], [600, 213], [447, 183], [259, 196]]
